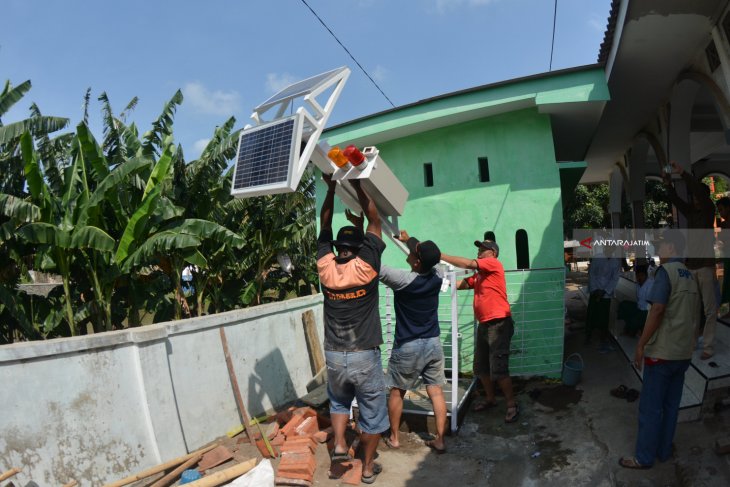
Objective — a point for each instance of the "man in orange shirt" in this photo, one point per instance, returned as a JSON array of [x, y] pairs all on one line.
[[495, 330]]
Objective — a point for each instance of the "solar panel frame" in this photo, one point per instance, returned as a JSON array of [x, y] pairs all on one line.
[[299, 88], [266, 157]]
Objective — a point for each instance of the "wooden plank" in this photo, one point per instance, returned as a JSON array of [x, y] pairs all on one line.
[[234, 384], [172, 476], [9, 473], [316, 357], [159, 468], [218, 478]]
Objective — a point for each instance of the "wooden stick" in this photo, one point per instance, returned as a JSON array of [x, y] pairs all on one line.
[[9, 473], [221, 476], [71, 483], [234, 383], [316, 357], [159, 468], [172, 476]]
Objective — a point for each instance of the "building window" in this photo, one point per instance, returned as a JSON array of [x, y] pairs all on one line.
[[523, 250], [713, 58], [428, 174], [489, 235], [483, 170]]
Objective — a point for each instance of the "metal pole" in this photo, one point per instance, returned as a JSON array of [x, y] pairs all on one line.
[[454, 353]]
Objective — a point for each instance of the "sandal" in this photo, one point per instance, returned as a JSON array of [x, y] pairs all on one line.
[[389, 443], [632, 395], [340, 457], [513, 412], [430, 444], [619, 392], [630, 462], [370, 479], [483, 406]]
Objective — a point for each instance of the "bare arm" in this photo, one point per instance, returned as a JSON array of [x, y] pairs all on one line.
[[653, 320], [368, 207], [462, 284], [462, 262], [325, 215]]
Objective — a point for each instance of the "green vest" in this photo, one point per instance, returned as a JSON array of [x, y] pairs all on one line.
[[675, 338]]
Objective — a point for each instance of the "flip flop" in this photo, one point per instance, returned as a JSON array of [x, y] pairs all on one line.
[[630, 462], [438, 451], [632, 395], [619, 392], [389, 443], [483, 406], [513, 418], [370, 479], [340, 457]]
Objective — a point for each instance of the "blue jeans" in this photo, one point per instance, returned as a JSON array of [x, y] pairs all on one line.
[[658, 410], [358, 375]]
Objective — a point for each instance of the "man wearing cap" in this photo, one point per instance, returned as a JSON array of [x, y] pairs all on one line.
[[495, 330], [352, 332], [664, 352], [417, 346]]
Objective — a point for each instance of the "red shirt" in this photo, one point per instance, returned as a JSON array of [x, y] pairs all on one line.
[[490, 290]]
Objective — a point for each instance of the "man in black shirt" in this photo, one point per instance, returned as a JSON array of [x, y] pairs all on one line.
[[352, 328]]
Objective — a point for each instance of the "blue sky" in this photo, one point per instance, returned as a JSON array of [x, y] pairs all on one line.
[[227, 56]]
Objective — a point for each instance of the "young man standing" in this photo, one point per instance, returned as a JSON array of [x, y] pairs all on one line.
[[417, 346], [495, 329], [664, 352], [352, 329]]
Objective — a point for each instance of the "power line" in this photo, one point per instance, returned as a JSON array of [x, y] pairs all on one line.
[[552, 44], [348, 52]]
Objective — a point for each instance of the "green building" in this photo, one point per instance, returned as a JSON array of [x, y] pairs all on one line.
[[498, 158]]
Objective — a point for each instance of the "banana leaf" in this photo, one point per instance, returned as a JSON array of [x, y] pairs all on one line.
[[90, 237], [161, 243], [14, 207]]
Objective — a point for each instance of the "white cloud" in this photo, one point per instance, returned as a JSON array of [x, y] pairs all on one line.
[[199, 145], [379, 73], [276, 82], [212, 102]]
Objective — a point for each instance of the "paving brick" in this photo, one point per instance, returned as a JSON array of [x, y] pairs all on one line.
[[308, 427], [278, 440], [284, 417], [297, 443], [320, 436], [304, 411], [353, 475], [289, 428], [214, 457], [295, 475], [265, 451], [297, 462]]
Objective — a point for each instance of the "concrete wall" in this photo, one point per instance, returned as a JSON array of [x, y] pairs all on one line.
[[98, 408]]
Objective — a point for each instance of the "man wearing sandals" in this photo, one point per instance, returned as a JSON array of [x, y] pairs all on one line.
[[417, 346], [352, 333], [664, 352], [495, 330]]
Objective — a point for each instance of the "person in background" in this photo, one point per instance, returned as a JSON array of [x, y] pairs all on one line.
[[603, 274], [352, 331], [723, 208], [634, 313], [700, 215], [664, 352]]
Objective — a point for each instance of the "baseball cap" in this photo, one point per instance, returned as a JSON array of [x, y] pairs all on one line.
[[487, 245], [349, 237], [427, 252]]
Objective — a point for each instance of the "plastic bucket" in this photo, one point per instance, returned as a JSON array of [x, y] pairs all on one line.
[[572, 369]]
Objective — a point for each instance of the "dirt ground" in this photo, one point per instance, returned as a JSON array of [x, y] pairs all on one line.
[[565, 436]]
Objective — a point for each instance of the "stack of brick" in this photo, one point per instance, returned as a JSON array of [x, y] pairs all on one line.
[[300, 434]]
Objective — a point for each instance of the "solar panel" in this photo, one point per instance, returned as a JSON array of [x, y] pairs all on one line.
[[300, 88], [265, 154]]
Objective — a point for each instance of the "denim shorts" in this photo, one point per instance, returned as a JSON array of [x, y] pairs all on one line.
[[422, 356], [491, 350], [358, 375]]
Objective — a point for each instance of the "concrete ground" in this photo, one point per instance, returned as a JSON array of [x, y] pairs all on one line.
[[565, 436]]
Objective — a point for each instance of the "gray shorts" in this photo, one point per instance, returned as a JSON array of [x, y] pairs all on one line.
[[491, 350], [422, 356]]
